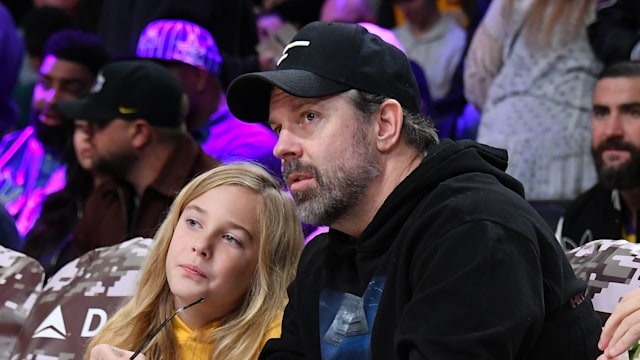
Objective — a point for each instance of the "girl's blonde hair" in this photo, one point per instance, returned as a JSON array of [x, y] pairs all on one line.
[[241, 333], [566, 18]]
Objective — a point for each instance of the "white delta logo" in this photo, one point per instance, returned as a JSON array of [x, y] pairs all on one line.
[[53, 326]]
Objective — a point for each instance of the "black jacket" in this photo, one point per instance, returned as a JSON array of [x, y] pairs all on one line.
[[454, 265], [595, 214], [616, 30]]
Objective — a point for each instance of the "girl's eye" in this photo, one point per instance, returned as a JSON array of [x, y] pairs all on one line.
[[310, 116], [230, 239], [193, 223]]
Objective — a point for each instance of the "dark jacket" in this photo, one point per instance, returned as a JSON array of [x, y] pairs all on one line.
[[616, 30], [595, 214], [111, 215], [454, 265]]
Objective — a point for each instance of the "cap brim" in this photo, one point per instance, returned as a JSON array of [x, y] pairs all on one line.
[[83, 109], [248, 95]]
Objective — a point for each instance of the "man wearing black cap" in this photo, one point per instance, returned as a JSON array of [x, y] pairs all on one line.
[[432, 251], [191, 53], [136, 110]]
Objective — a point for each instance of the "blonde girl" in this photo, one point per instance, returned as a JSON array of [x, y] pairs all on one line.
[[231, 236]]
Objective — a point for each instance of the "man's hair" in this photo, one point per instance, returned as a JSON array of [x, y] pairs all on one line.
[[79, 47], [621, 69], [417, 130]]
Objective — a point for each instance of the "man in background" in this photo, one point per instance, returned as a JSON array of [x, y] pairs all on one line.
[[30, 163], [136, 111], [609, 210], [190, 52]]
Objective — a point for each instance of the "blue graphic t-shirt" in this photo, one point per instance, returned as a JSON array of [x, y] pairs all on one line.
[[346, 321]]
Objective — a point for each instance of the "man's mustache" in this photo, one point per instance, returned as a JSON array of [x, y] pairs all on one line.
[[615, 144]]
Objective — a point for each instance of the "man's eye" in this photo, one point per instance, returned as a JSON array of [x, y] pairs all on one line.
[[310, 116]]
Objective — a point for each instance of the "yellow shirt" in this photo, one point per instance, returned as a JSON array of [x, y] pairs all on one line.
[[188, 344], [190, 348]]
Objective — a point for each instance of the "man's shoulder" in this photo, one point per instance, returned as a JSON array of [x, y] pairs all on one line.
[[596, 198], [454, 28], [592, 215], [204, 162]]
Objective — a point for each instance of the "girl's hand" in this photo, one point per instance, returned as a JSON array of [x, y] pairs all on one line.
[[622, 329]]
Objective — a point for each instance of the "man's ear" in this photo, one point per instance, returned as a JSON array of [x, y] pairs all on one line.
[[141, 133], [388, 125]]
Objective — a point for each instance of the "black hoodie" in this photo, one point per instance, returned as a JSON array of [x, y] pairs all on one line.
[[454, 265]]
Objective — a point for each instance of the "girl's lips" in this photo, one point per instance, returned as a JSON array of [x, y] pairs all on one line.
[[86, 153], [193, 270]]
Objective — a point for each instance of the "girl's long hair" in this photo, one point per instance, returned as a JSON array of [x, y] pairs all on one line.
[[281, 242]]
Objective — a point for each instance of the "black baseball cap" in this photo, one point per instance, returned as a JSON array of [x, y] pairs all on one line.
[[129, 90], [323, 59]]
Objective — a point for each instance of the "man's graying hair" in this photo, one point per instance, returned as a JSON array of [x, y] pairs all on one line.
[[417, 130]]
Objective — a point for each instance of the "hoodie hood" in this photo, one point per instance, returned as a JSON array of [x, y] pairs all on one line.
[[444, 163], [450, 159]]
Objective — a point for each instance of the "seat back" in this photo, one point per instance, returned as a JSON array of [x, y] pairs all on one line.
[[611, 270], [78, 299]]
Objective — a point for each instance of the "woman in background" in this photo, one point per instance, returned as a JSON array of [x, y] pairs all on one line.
[[531, 72], [48, 240]]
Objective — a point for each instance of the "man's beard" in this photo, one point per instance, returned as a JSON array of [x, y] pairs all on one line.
[[53, 138], [118, 165], [340, 187], [621, 177]]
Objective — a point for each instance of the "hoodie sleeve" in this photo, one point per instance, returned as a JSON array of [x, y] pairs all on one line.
[[483, 293]]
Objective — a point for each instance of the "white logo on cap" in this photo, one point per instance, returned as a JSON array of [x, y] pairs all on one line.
[[98, 84], [298, 43]]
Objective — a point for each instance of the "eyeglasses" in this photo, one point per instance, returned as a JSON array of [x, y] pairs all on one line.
[[164, 323]]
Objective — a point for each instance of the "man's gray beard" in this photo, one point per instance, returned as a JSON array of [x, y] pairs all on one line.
[[331, 200], [340, 188]]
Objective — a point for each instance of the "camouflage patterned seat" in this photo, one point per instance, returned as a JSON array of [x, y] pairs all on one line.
[[611, 270], [21, 280], [79, 299]]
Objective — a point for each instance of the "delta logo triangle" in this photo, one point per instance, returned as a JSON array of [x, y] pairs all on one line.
[[52, 327]]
